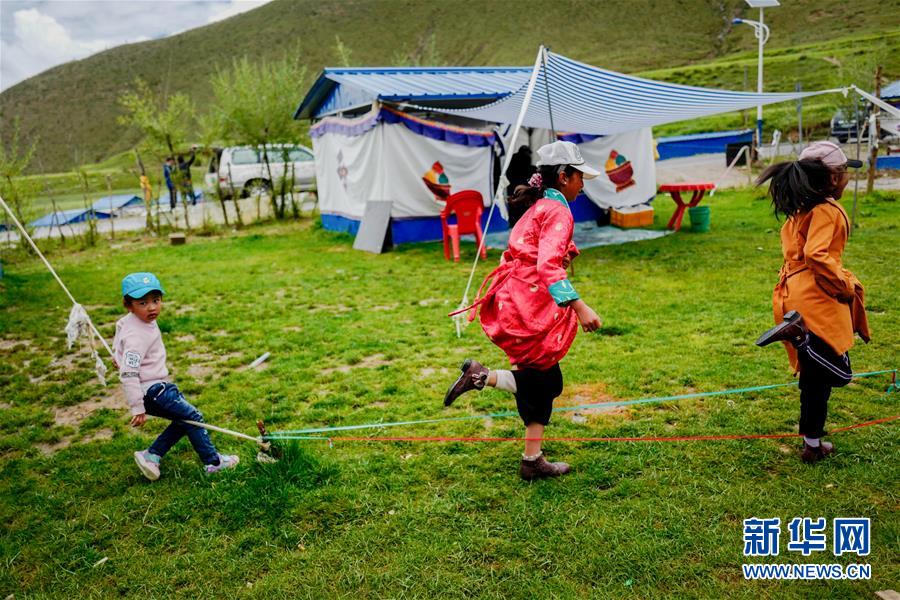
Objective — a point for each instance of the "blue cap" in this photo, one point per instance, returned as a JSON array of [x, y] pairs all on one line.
[[138, 285]]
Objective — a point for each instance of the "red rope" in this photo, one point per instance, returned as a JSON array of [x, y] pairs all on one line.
[[593, 439]]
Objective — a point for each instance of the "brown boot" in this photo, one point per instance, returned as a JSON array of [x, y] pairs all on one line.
[[474, 377], [540, 468], [792, 329], [813, 454]]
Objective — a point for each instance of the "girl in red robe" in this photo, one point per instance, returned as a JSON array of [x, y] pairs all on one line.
[[529, 308]]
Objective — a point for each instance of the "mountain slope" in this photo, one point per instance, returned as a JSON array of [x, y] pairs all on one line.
[[72, 108]]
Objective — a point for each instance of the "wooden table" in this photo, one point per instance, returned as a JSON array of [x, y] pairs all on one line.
[[699, 188]]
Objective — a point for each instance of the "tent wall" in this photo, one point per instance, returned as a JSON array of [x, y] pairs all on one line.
[[384, 160]]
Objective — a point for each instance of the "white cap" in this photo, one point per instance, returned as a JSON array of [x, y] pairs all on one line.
[[565, 153]]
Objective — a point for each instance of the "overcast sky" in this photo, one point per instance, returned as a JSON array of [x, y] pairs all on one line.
[[38, 34]]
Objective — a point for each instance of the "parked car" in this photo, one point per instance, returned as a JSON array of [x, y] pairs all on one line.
[[242, 170], [844, 126]]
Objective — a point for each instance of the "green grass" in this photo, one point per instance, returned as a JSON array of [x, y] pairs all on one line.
[[71, 109], [357, 338]]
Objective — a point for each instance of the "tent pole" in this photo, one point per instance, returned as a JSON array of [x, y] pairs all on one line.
[[501, 185], [547, 90]]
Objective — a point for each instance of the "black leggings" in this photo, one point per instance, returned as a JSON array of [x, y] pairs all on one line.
[[820, 370], [535, 393]]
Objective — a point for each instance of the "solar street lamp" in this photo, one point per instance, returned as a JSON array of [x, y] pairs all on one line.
[[761, 31]]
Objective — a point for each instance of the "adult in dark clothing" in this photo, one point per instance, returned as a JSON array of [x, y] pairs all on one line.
[[187, 188], [168, 169], [520, 169]]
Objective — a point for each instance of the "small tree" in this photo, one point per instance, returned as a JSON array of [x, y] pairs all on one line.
[[13, 162], [210, 133], [164, 122], [255, 104]]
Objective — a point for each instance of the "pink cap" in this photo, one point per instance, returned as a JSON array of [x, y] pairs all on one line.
[[830, 154]]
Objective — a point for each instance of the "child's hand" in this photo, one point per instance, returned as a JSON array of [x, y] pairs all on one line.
[[138, 420], [590, 320]]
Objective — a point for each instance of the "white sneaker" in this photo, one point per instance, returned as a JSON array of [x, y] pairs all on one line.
[[226, 461], [148, 463]]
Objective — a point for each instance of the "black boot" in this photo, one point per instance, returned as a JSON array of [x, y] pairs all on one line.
[[792, 329], [474, 377]]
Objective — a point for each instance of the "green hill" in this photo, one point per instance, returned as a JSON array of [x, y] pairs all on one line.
[[72, 108]]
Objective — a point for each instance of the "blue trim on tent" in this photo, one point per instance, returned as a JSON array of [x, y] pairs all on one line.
[[430, 129], [701, 143], [577, 138], [428, 229]]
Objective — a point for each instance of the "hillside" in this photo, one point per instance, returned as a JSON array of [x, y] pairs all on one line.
[[72, 108]]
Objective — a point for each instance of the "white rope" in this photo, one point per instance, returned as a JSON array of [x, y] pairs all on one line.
[[878, 102], [55, 276], [501, 185]]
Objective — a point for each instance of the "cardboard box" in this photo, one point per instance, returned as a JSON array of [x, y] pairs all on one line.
[[632, 216]]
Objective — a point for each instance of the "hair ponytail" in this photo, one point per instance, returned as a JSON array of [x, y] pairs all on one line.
[[524, 197], [797, 186]]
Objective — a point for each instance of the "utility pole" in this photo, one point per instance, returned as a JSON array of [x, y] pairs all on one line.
[[873, 133]]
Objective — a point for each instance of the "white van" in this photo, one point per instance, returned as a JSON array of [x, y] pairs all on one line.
[[243, 172]]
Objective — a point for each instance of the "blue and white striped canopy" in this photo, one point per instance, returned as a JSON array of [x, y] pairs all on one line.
[[588, 99]]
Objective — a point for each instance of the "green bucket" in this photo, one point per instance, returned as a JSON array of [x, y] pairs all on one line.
[[699, 216]]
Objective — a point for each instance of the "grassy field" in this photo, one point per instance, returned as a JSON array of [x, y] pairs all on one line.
[[357, 338]]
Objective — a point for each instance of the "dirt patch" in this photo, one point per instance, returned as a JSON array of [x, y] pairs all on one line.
[[219, 333], [292, 329], [369, 362], [100, 435], [74, 415], [13, 344], [188, 337], [330, 308], [378, 404], [199, 356], [384, 307], [5, 405], [49, 449], [200, 371], [184, 309], [590, 393]]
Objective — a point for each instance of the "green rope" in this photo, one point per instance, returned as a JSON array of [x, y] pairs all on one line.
[[300, 432]]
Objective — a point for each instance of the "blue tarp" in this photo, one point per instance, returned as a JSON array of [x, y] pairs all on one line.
[[118, 201], [64, 217], [701, 143], [888, 162]]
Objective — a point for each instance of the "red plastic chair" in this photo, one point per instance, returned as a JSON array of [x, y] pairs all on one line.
[[467, 205]]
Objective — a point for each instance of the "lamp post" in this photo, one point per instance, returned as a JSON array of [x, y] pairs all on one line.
[[761, 31]]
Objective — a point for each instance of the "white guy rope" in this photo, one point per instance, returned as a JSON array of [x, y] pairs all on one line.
[[501, 185]]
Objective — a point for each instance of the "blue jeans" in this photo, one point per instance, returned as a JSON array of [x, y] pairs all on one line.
[[165, 400]]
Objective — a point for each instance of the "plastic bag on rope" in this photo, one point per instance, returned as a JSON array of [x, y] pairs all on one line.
[[80, 325]]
